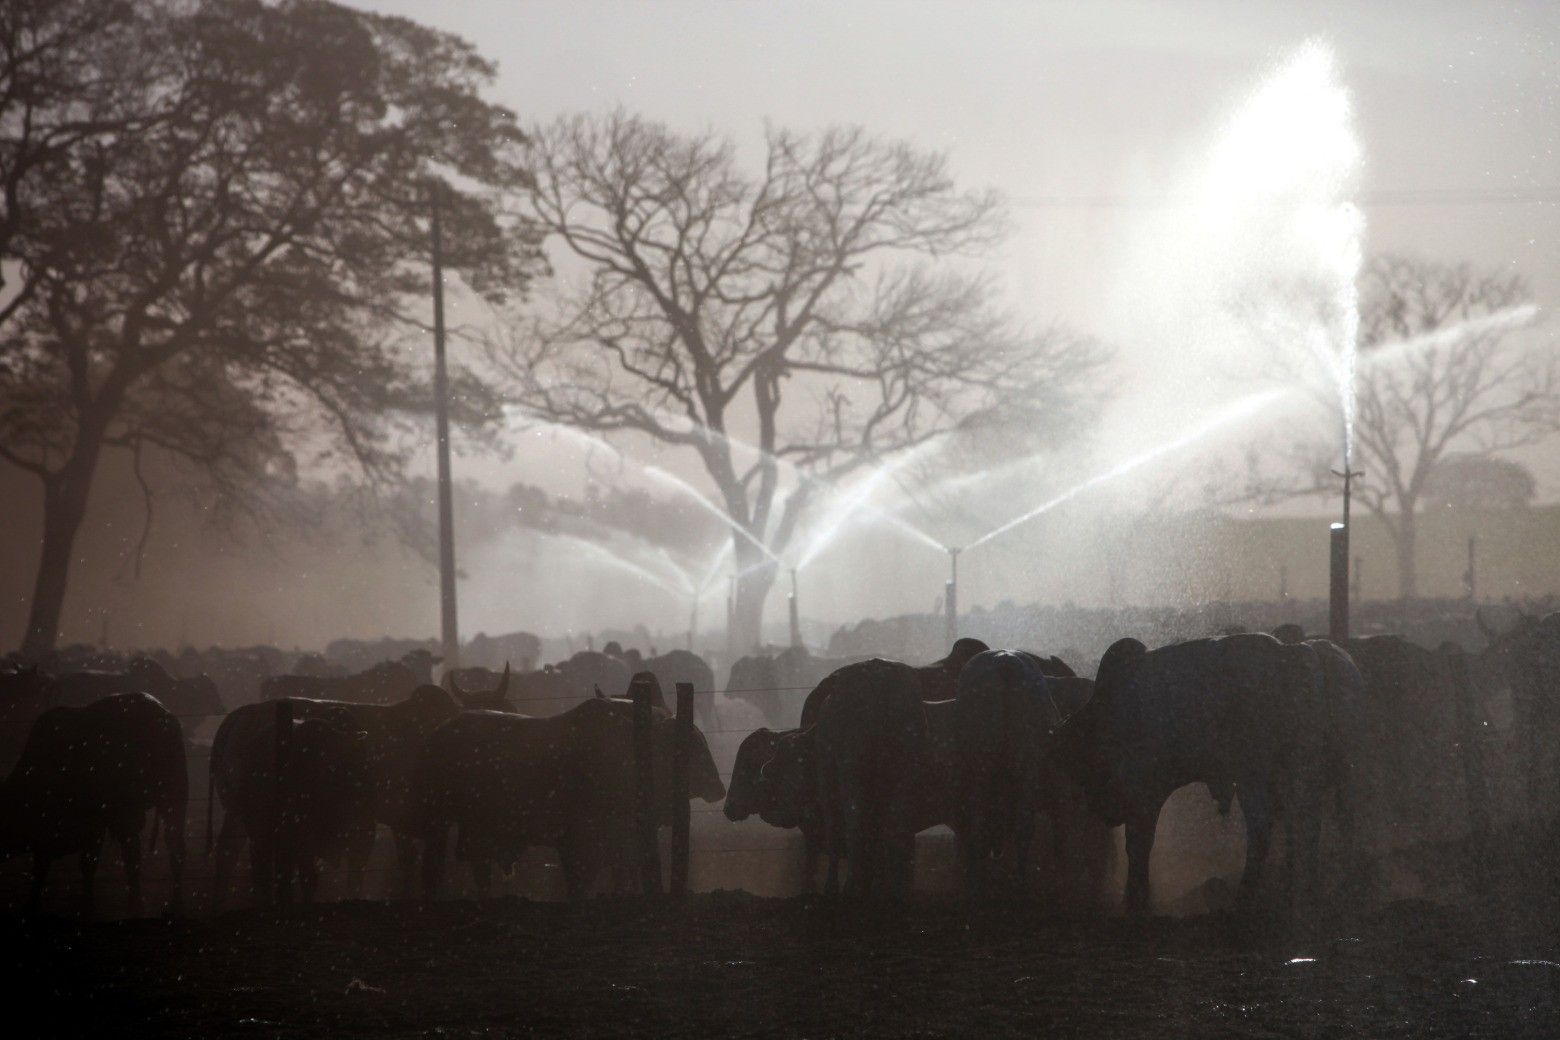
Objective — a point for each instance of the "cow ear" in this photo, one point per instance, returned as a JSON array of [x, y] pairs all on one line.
[[503, 684]]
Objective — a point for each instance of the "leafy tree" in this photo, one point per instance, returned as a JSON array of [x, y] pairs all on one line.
[[794, 307], [216, 225]]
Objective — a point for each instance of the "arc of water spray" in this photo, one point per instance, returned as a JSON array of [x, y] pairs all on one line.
[[609, 558], [835, 520], [660, 474], [1241, 409]]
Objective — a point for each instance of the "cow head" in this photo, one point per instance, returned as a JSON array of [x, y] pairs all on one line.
[[1522, 657], [747, 794], [496, 699], [787, 779], [420, 663]]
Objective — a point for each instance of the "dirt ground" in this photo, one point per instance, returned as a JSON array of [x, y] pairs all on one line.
[[736, 965]]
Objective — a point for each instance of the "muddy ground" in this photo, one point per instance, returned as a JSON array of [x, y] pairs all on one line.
[[736, 965]]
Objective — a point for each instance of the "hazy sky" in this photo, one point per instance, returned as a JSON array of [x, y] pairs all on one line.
[[1060, 106]]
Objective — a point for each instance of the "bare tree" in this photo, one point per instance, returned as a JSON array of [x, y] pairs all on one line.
[[1439, 383], [708, 290], [211, 264]]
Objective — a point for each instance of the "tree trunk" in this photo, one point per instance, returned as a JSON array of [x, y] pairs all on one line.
[[1405, 537], [64, 505], [748, 613]]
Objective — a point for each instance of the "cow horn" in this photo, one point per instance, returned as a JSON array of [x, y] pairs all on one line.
[[1484, 626], [599, 695], [455, 686], [503, 684]]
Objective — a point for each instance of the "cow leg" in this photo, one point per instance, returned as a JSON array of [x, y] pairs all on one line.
[[262, 868], [1140, 844], [810, 852], [173, 833], [482, 876], [406, 862], [308, 878], [360, 845], [853, 819], [434, 840], [228, 839], [40, 874], [89, 865], [975, 842], [129, 842], [1256, 807]]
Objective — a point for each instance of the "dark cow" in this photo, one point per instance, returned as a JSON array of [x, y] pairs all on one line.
[[243, 755], [326, 797], [510, 782], [1004, 716], [1525, 660], [769, 682], [95, 770], [869, 750], [1244, 711], [589, 669], [683, 666], [385, 683], [191, 698]]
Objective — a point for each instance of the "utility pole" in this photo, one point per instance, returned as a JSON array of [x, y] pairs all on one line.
[[796, 618], [450, 629]]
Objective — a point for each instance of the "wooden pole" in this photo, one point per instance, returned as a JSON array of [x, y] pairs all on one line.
[[279, 829], [450, 630], [1338, 585], [644, 809], [681, 812]]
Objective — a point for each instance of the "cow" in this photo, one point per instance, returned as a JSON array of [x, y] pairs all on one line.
[[385, 683], [684, 666], [326, 795], [187, 698], [589, 669], [243, 754], [1244, 712], [869, 748], [567, 781], [1525, 659], [94, 770], [1004, 715], [764, 680]]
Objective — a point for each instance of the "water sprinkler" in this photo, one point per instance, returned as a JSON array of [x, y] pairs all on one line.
[[796, 621], [951, 598], [1338, 571]]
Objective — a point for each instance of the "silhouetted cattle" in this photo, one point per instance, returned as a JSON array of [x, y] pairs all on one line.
[[869, 750], [771, 682], [317, 666], [590, 670], [1525, 660], [1004, 716], [327, 798], [1414, 721], [385, 683], [243, 756], [510, 782], [683, 666], [1245, 711], [95, 770], [193, 698]]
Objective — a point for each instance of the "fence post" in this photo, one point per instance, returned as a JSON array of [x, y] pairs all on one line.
[[279, 829], [1470, 740], [681, 812], [644, 771]]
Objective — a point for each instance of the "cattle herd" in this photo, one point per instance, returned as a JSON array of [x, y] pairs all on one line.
[[1343, 750]]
